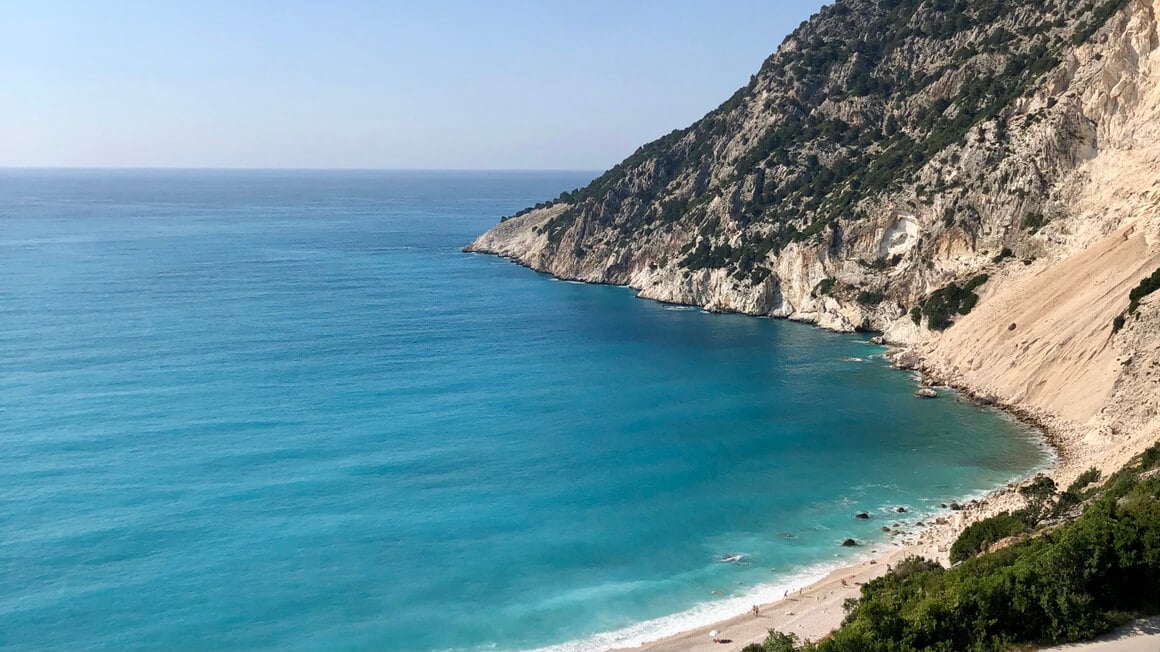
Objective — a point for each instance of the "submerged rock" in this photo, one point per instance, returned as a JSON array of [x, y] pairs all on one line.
[[862, 515], [849, 543]]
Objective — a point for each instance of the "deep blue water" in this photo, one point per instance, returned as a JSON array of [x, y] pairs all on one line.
[[258, 410]]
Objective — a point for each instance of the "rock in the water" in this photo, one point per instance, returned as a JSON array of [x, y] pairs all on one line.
[[906, 360], [849, 543], [942, 505], [862, 515], [956, 507], [900, 510], [877, 340], [885, 528], [926, 392]]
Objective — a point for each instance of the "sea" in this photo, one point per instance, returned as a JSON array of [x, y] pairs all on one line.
[[257, 410]]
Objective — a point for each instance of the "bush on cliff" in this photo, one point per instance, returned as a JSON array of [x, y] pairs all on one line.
[[943, 304]]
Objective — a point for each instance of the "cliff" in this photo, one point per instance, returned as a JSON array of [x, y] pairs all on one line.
[[978, 181]]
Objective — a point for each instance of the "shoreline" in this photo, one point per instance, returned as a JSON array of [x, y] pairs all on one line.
[[813, 607], [1074, 445], [812, 620], [816, 610]]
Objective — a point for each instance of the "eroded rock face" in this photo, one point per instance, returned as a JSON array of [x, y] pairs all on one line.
[[1010, 176]]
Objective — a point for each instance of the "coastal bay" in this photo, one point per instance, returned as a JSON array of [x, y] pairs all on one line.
[[283, 410]]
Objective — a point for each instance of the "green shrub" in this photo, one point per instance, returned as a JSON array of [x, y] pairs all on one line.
[[1147, 286], [943, 304], [978, 536], [976, 282], [1039, 495], [775, 642], [869, 298], [823, 287], [1086, 478], [1033, 222]]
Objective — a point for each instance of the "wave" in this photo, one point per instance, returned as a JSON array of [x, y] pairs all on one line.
[[700, 615], [708, 613]]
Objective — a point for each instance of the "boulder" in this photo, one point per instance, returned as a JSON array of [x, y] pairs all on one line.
[[925, 392], [906, 360], [862, 515], [849, 543], [956, 507], [900, 510]]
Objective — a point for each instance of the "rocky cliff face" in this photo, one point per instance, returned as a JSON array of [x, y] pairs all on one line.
[[936, 170]]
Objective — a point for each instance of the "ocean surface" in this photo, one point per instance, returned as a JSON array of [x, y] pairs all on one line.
[[282, 410]]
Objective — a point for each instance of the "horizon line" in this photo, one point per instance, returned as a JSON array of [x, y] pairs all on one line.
[[174, 168]]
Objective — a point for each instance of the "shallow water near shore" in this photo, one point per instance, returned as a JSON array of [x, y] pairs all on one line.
[[254, 410]]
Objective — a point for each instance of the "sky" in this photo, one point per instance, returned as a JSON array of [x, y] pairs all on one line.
[[411, 84]]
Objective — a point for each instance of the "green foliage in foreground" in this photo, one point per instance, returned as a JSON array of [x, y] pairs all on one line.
[[1068, 584]]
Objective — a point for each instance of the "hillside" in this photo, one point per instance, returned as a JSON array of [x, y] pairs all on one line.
[[978, 181]]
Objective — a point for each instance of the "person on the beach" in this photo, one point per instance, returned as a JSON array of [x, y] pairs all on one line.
[[756, 611]]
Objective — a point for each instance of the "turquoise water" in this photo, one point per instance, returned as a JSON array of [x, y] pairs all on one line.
[[259, 410]]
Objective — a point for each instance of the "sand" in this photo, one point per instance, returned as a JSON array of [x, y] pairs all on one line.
[[810, 614]]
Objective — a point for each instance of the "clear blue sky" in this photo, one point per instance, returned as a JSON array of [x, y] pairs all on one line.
[[407, 84]]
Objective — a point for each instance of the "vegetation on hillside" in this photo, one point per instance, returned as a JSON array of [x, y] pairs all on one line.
[[1070, 581], [1147, 286], [942, 305], [812, 163]]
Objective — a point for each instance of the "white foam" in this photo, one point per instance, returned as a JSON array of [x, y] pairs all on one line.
[[700, 615]]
